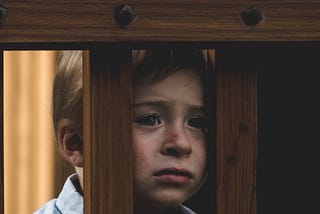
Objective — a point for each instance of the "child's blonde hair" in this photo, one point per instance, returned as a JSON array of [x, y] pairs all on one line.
[[67, 88]]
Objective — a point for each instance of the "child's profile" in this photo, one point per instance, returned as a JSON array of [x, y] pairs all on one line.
[[169, 129]]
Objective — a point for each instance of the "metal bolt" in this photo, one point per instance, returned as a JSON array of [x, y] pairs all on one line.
[[252, 16], [124, 14], [3, 14]]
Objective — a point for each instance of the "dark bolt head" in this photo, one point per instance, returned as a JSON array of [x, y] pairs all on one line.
[[251, 16], [3, 14], [124, 14]]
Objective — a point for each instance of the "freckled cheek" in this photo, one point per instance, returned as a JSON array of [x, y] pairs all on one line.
[[145, 143], [139, 157], [141, 153]]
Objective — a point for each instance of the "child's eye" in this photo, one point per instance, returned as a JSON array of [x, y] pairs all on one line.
[[148, 120], [198, 122]]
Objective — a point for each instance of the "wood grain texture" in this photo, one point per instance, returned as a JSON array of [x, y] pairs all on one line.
[[108, 171], [236, 131], [35, 21], [1, 137]]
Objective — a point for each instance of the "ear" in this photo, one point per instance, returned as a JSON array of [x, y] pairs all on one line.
[[70, 143]]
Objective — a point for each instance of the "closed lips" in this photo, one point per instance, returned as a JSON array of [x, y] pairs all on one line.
[[173, 171]]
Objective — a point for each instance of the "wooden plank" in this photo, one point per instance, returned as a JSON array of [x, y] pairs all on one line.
[[236, 131], [73, 21], [1, 136], [108, 170]]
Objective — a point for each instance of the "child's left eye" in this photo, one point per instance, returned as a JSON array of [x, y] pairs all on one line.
[[198, 122]]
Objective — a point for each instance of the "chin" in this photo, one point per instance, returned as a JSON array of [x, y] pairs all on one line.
[[170, 198], [152, 203]]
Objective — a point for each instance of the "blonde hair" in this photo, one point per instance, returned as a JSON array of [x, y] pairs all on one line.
[[67, 88]]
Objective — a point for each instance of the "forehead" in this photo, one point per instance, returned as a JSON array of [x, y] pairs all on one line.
[[183, 84], [157, 64], [159, 74]]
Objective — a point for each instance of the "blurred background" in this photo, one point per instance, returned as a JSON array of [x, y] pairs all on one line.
[[34, 171]]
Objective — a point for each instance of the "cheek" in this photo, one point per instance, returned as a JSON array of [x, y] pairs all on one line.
[[145, 146], [140, 153], [140, 159]]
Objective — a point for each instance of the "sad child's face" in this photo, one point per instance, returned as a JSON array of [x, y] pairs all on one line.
[[169, 140]]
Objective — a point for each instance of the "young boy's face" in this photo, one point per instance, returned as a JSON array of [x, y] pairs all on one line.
[[168, 139]]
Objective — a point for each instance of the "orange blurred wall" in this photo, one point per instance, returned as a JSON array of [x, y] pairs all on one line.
[[28, 134]]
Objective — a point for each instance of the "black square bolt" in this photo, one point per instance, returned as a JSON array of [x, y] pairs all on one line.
[[252, 16], [124, 14], [3, 14]]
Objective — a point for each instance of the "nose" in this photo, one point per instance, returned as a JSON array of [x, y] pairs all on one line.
[[176, 142]]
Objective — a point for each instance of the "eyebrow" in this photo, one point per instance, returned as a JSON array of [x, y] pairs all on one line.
[[166, 104], [150, 103]]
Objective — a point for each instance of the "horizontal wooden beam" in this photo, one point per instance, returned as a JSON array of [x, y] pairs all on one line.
[[57, 21]]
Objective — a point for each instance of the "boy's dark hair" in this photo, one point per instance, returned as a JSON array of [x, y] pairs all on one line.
[[158, 64]]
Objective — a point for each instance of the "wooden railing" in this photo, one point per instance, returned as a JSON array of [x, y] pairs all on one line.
[[89, 25]]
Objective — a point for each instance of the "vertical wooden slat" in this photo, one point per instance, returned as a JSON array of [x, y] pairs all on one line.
[[108, 166], [1, 135], [236, 131]]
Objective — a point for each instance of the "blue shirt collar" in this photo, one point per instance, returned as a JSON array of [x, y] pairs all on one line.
[[70, 200]]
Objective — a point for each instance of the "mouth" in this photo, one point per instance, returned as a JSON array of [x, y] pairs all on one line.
[[173, 171], [173, 175]]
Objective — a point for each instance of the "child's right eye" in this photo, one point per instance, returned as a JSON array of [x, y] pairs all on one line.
[[148, 120]]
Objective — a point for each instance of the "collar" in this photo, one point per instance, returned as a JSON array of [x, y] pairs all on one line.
[[70, 200]]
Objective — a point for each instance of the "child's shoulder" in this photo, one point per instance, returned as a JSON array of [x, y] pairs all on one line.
[[69, 200], [48, 208]]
